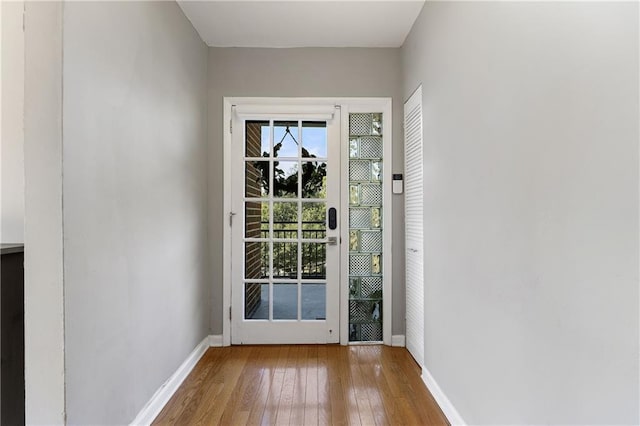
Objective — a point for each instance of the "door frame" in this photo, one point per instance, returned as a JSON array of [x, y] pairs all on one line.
[[298, 329], [344, 106]]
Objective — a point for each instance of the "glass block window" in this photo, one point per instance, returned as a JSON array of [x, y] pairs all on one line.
[[365, 230]]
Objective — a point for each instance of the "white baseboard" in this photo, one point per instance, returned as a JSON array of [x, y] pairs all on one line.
[[159, 399], [450, 412], [215, 341], [398, 340]]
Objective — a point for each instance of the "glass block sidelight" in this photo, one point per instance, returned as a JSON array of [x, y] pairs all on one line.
[[360, 124], [353, 148], [371, 332], [371, 195], [360, 311], [359, 170], [371, 147], [371, 287], [360, 218], [371, 241], [365, 227], [360, 265]]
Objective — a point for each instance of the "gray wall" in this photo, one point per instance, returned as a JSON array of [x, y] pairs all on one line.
[[43, 270], [135, 213], [303, 72], [12, 123], [531, 208], [12, 150]]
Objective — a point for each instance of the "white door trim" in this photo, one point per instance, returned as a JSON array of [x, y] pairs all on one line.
[[347, 105]]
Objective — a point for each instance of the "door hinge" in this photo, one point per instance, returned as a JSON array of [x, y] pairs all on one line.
[[231, 126], [231, 215], [229, 312]]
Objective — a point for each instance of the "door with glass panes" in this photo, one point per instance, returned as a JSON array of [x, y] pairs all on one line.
[[285, 229]]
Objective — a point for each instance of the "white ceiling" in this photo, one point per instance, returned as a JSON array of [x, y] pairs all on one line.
[[302, 23]]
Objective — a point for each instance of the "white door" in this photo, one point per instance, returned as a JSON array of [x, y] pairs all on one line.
[[285, 272], [414, 229]]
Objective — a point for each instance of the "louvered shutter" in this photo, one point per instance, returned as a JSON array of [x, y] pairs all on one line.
[[414, 236]]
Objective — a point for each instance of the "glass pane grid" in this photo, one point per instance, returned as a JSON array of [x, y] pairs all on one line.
[[365, 232], [285, 205]]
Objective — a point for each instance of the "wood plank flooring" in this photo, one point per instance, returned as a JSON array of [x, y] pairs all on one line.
[[303, 385]]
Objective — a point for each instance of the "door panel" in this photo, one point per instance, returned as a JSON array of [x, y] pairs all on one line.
[[285, 275]]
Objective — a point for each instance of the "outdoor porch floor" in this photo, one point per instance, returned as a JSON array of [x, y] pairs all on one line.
[[285, 304]]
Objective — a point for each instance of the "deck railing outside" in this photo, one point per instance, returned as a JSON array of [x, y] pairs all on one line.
[[285, 254]]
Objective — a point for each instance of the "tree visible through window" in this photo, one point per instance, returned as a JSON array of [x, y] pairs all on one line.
[[285, 181]]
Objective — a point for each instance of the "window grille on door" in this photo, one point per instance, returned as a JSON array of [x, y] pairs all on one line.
[[285, 227]]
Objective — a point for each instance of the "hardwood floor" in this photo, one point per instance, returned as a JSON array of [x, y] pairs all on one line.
[[303, 385]]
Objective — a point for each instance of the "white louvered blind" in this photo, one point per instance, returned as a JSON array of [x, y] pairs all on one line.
[[414, 237]]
